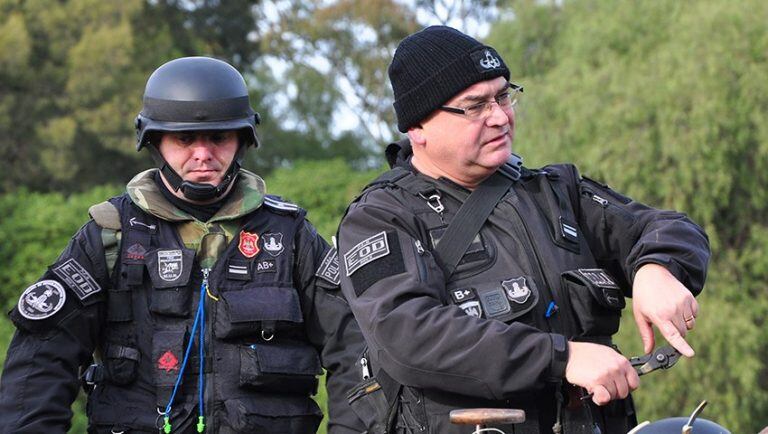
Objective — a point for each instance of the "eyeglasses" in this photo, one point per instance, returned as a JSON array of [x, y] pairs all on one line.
[[506, 99]]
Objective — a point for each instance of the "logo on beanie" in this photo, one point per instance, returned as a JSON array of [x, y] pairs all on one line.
[[490, 62]]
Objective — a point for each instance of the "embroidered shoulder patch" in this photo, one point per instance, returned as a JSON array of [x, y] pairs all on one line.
[[329, 267], [279, 204], [249, 244], [366, 251], [598, 277], [77, 278], [374, 259], [273, 243], [517, 290], [169, 264], [42, 300]]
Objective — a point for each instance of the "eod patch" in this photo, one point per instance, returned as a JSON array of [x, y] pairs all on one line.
[[42, 300], [375, 258], [77, 278]]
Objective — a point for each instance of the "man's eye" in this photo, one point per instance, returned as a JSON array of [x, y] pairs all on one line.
[[217, 137], [475, 110], [186, 138]]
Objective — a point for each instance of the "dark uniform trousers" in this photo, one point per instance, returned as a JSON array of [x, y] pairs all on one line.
[[552, 262], [261, 358]]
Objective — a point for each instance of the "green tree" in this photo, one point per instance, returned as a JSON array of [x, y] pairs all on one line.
[[72, 74], [668, 102]]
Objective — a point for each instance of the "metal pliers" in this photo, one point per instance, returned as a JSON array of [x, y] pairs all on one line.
[[661, 358]]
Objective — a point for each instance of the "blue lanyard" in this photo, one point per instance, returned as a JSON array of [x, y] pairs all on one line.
[[199, 319]]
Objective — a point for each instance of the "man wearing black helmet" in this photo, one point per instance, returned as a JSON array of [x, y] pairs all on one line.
[[194, 302]]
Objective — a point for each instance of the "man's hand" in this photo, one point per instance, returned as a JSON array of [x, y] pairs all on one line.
[[605, 373], [660, 299]]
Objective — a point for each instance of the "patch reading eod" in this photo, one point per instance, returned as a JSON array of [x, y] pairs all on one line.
[[370, 249], [374, 259]]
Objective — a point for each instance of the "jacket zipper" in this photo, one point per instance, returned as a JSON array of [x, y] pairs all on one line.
[[209, 380]]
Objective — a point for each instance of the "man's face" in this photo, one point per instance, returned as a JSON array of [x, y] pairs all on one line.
[[199, 156], [465, 150]]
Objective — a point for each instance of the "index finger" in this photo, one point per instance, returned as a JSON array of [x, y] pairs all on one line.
[[673, 336]]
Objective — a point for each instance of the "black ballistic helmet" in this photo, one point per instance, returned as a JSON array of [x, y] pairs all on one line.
[[195, 94]]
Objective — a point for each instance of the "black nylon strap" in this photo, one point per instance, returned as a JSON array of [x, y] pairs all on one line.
[[470, 218]]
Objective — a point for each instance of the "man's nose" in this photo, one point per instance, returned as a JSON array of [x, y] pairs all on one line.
[[202, 148], [499, 116]]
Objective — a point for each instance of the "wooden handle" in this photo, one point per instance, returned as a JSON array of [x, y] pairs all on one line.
[[487, 416]]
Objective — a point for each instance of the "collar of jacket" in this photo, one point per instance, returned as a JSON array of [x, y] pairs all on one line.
[[247, 195]]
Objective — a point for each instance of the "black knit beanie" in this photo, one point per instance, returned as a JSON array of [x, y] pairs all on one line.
[[431, 66]]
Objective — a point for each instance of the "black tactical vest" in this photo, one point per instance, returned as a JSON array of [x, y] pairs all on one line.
[[259, 368], [529, 263]]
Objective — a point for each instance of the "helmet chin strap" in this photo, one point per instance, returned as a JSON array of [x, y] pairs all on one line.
[[197, 191]]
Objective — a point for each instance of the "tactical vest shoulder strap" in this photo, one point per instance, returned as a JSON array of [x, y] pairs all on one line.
[[559, 210], [400, 178], [390, 177], [277, 204], [107, 216]]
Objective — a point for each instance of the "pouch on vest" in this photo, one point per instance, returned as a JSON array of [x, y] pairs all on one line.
[[368, 398], [264, 414], [244, 312], [169, 271], [412, 414], [504, 300], [596, 301], [167, 356], [121, 364], [370, 405], [282, 368]]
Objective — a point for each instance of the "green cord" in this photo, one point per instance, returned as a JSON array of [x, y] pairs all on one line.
[[167, 425], [200, 423]]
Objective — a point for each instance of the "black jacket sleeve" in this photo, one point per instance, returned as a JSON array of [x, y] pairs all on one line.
[[40, 377], [625, 234], [397, 292], [330, 326]]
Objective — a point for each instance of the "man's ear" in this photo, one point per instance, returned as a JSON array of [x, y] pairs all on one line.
[[416, 136]]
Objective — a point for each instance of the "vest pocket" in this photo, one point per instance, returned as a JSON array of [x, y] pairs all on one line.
[[596, 301], [170, 271], [243, 312], [269, 414], [121, 364], [282, 368], [172, 301], [368, 402]]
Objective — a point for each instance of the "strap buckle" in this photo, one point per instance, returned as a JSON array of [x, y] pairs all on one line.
[[433, 201], [92, 376]]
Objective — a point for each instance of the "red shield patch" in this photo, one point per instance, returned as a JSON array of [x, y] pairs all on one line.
[[168, 362], [249, 244]]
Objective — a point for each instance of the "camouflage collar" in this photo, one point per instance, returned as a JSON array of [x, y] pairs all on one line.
[[248, 194]]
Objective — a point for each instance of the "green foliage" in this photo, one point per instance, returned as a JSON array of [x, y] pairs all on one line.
[[72, 75], [35, 228], [668, 102], [324, 188]]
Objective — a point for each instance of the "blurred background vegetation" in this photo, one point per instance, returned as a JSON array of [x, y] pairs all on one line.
[[665, 100]]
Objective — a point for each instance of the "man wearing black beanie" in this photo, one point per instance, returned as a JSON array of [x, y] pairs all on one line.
[[478, 282]]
